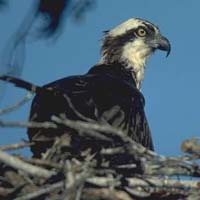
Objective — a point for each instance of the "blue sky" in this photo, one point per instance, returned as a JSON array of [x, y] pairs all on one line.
[[171, 86]]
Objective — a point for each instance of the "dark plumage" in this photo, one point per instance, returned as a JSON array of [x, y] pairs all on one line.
[[107, 93]]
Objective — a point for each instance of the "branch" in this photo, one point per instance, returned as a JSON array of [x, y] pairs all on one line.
[[90, 175], [18, 164], [191, 146], [41, 191], [17, 104], [153, 163], [45, 125], [16, 146]]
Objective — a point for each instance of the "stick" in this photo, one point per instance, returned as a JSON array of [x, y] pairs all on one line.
[[18, 164]]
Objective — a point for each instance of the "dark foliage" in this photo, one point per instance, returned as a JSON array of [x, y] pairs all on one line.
[[2, 3], [53, 12]]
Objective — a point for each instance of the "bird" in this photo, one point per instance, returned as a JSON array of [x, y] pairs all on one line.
[[109, 93]]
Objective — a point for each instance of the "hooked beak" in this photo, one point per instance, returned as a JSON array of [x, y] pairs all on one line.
[[162, 43]]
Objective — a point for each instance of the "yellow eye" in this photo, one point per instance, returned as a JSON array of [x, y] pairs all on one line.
[[141, 32]]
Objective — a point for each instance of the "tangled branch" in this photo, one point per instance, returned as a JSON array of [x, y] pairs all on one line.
[[53, 177]]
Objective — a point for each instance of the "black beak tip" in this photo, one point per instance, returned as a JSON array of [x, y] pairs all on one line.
[[168, 48], [168, 52], [165, 45]]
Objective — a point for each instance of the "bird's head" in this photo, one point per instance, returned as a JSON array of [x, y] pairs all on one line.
[[131, 43]]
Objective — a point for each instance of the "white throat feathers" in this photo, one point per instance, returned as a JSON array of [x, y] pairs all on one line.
[[134, 56]]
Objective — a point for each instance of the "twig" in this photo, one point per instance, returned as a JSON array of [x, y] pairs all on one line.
[[75, 181], [18, 164], [112, 151], [45, 125], [45, 163], [16, 146], [75, 110], [17, 104], [103, 181], [81, 126], [163, 182], [42, 191], [145, 182], [191, 146], [105, 194]]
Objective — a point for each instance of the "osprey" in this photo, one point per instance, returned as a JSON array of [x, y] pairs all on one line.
[[109, 92]]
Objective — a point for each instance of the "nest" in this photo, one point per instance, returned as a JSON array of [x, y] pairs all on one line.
[[125, 171]]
